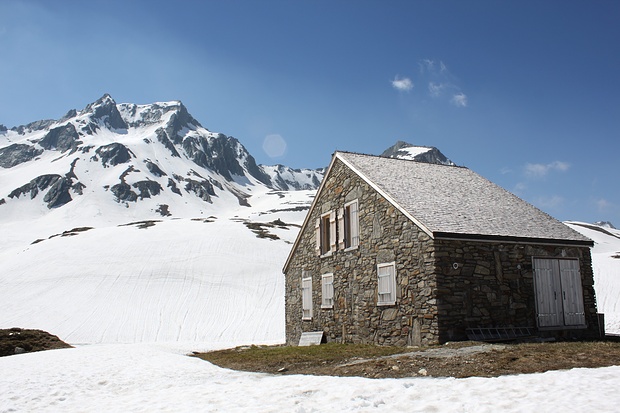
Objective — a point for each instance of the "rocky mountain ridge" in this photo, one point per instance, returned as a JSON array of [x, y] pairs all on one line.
[[133, 153]]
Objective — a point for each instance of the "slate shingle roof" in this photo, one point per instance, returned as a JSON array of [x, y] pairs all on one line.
[[455, 201]]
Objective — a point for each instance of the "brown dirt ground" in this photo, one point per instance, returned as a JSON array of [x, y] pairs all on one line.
[[460, 360], [18, 340]]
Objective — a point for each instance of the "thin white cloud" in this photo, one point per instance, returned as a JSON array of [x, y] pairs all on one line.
[[436, 89], [551, 202], [603, 205], [538, 170], [459, 100], [426, 65], [403, 84]]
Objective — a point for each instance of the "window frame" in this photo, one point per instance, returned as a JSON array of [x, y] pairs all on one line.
[[327, 290], [390, 282], [325, 228]]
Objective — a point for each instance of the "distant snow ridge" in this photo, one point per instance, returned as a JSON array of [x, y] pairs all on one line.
[[133, 153], [605, 224], [428, 154]]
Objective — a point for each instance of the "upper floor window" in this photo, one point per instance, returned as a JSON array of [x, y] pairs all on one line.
[[339, 231], [325, 229]]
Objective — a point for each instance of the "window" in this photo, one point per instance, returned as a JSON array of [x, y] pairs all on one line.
[[348, 226], [559, 295], [325, 228], [327, 290], [386, 284], [306, 298]]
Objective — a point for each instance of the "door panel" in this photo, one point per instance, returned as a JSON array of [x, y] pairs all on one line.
[[572, 293], [548, 300]]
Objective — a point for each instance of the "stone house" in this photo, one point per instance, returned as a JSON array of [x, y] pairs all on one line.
[[399, 252]]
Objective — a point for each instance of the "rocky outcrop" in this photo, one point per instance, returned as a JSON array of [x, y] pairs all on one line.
[[17, 153], [203, 189], [114, 154], [147, 188], [105, 112], [427, 154], [122, 191], [33, 126], [62, 138], [154, 169], [57, 195]]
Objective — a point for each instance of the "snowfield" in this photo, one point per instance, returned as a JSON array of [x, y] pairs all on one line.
[[136, 300], [149, 378]]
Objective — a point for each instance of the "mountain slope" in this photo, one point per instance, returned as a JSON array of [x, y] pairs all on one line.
[[606, 267], [155, 159], [213, 280]]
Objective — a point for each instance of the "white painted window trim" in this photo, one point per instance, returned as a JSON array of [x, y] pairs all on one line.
[[327, 290], [387, 281], [306, 298]]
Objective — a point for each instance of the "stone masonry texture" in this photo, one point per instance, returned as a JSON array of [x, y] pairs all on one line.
[[443, 286]]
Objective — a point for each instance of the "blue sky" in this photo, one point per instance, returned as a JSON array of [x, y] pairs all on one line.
[[526, 93]]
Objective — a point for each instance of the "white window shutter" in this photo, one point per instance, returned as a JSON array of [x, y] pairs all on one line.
[[317, 232], [327, 290], [306, 298], [354, 222], [386, 284], [332, 231], [341, 233]]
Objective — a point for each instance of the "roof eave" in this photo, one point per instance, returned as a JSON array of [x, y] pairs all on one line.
[[512, 239]]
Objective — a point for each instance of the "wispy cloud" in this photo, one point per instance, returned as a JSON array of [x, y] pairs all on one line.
[[402, 83], [435, 89], [459, 100], [538, 170], [603, 205], [550, 202], [441, 84]]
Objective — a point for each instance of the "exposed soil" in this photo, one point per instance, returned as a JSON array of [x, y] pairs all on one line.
[[17, 341], [460, 360]]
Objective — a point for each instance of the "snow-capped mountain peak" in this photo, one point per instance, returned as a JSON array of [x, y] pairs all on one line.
[[154, 158], [428, 154]]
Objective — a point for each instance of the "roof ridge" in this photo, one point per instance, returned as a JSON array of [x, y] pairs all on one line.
[[398, 159]]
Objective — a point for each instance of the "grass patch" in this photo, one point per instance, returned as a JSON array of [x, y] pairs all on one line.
[[458, 359], [274, 358]]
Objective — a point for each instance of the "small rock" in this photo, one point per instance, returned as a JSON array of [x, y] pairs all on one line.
[[282, 370], [19, 350], [395, 368], [422, 372]]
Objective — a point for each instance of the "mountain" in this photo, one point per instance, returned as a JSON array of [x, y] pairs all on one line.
[[155, 158], [428, 154]]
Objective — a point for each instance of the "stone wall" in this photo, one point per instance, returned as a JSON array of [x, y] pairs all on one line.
[[386, 235], [436, 299], [493, 285]]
